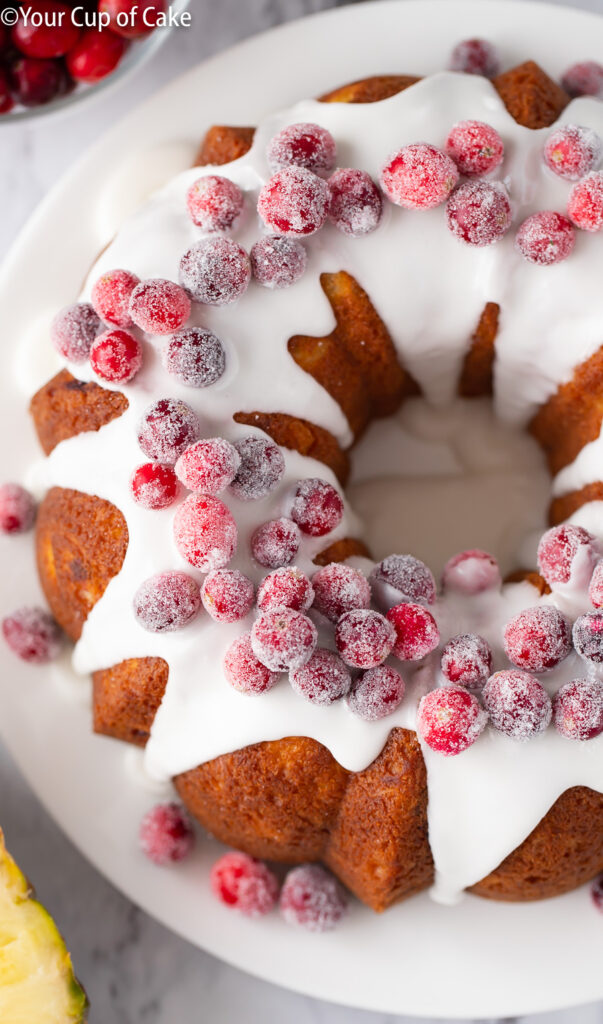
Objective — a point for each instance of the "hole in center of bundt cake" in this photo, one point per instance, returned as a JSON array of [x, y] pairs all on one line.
[[437, 481]]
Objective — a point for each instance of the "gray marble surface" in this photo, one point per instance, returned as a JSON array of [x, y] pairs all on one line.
[[134, 970]]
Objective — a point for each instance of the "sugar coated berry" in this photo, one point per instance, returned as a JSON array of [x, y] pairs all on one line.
[[584, 79], [376, 693], [116, 356], [571, 151], [195, 357], [317, 507], [111, 295], [131, 20], [36, 81], [287, 587], [17, 509], [356, 202], [302, 145], [205, 532], [48, 31], [475, 57], [479, 212], [276, 542], [537, 638], [244, 884], [585, 204], [243, 670], [166, 429], [588, 636], [475, 147], [545, 238], [214, 203], [471, 572], [227, 595], [338, 589], [449, 720], [167, 601], [33, 635], [312, 898], [277, 262], [517, 703], [261, 468], [95, 55], [419, 176], [215, 271], [467, 661], [402, 576], [596, 893], [154, 485], [561, 551], [159, 306], [595, 589], [283, 639], [578, 709], [208, 466], [417, 633], [73, 331], [323, 679], [294, 202], [166, 834], [364, 638]]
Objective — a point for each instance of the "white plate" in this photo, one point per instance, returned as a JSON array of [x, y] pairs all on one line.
[[481, 959]]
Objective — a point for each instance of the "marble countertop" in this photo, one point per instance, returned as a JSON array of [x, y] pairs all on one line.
[[134, 970]]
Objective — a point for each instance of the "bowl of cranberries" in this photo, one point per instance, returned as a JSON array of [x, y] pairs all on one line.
[[55, 53]]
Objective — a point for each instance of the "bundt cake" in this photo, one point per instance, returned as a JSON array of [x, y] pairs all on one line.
[[413, 747]]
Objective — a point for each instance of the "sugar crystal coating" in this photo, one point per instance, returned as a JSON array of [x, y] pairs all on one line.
[[244, 884], [449, 720], [166, 834], [467, 660], [558, 550], [215, 271], [376, 693], [402, 576], [595, 589], [33, 635], [116, 356], [154, 485], [244, 671], [73, 331], [419, 176], [584, 79], [312, 899], [317, 507], [475, 147], [364, 638], [475, 57], [323, 679], [167, 601], [578, 709], [287, 587], [227, 595], [277, 261], [571, 151], [587, 635], [479, 212], [356, 203], [205, 532], [195, 356], [111, 294], [166, 429], [545, 238], [159, 306], [537, 638], [261, 468], [17, 509], [283, 639], [294, 202], [302, 145], [417, 633], [517, 703], [339, 588], [585, 204], [208, 466], [276, 542], [214, 202]]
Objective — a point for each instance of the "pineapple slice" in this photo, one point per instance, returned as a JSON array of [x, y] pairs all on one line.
[[37, 984]]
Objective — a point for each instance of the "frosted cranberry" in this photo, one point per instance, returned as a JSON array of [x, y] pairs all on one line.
[[36, 82], [338, 589], [6, 99], [167, 601], [33, 635], [545, 238], [294, 202], [571, 151], [302, 145], [195, 356], [517, 704], [449, 720], [227, 595], [283, 639], [277, 262], [376, 693], [73, 331], [475, 147], [17, 509], [215, 271], [402, 576], [584, 79], [479, 212], [208, 466], [214, 202], [467, 660], [116, 356], [261, 469], [285, 588], [245, 884], [364, 638], [50, 35], [166, 429], [578, 709], [276, 542], [317, 507], [154, 485], [596, 893], [417, 633], [96, 55], [159, 306], [166, 834], [475, 57], [561, 549], [205, 532], [585, 204], [588, 636], [111, 295], [323, 679], [136, 19], [471, 572], [537, 638], [243, 670], [419, 176], [312, 898], [356, 202], [595, 589]]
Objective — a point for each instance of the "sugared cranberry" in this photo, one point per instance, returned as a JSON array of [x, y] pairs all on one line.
[[571, 151], [376, 693], [339, 589], [475, 57], [417, 633], [17, 509], [419, 176], [227, 595], [95, 55], [364, 638], [166, 429], [205, 532], [47, 31], [517, 704], [479, 212], [537, 638], [596, 893], [111, 295], [323, 679], [214, 203], [215, 271], [36, 81], [283, 639], [73, 331], [584, 79], [294, 202], [302, 145], [467, 660], [312, 898], [356, 202], [136, 19], [287, 587], [317, 507], [6, 100], [471, 572], [159, 306], [33, 635], [166, 834], [578, 709], [475, 147], [276, 542], [595, 589], [449, 720], [561, 550], [402, 576], [545, 238], [116, 356], [154, 485], [195, 356], [167, 601], [245, 884], [208, 466], [588, 636], [243, 670], [277, 262], [261, 469], [585, 204]]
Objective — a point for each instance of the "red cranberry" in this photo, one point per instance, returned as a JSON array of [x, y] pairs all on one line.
[[166, 834], [73, 331], [136, 19], [214, 203], [195, 356], [545, 238], [167, 601], [537, 638], [277, 262], [243, 670], [312, 898], [417, 633], [364, 638], [167, 428], [471, 572], [208, 466], [111, 295], [261, 469], [467, 660], [154, 485], [33, 635], [356, 202], [205, 532], [96, 55], [36, 82], [588, 636], [479, 212], [376, 693], [585, 205], [517, 704], [294, 202], [159, 306], [595, 590], [402, 576], [285, 588], [596, 892], [6, 99], [475, 57], [578, 709], [275, 543], [17, 509], [323, 679], [571, 151], [227, 595], [302, 145], [560, 550], [215, 271], [584, 79], [449, 720], [317, 507], [475, 147], [283, 639], [116, 356], [419, 176], [245, 884], [338, 589], [50, 33]]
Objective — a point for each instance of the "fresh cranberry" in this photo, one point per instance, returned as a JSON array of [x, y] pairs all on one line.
[[3, 37], [243, 670], [584, 79], [585, 205], [167, 601], [36, 82], [517, 703], [227, 595], [467, 660], [111, 295], [475, 147], [302, 145], [159, 306], [116, 356], [283, 639], [139, 18], [339, 589], [205, 532], [276, 542], [17, 509], [417, 633], [376, 693], [356, 203], [596, 893], [545, 238], [479, 212], [588, 636], [73, 331], [214, 203], [571, 151], [166, 429], [33, 635], [261, 469], [449, 720], [277, 262], [6, 99], [208, 466], [419, 176], [215, 271], [402, 576], [154, 485], [96, 55], [166, 834], [317, 507], [323, 679], [312, 898], [560, 551], [294, 202], [475, 57], [578, 709], [471, 572], [285, 588], [50, 35], [537, 638], [245, 884], [595, 589], [195, 356], [364, 638]]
